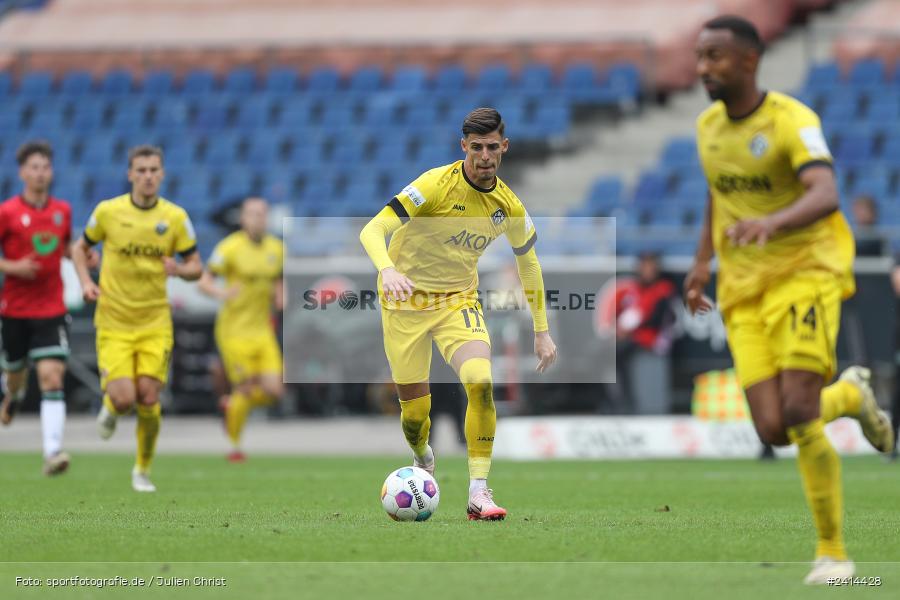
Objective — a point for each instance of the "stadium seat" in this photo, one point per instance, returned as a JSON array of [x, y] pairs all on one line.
[[494, 78], [76, 83], [222, 150], [323, 80], [409, 80], [6, 83], [241, 80], [199, 82], [823, 76], [158, 83], [366, 80], [680, 152], [867, 72], [36, 84], [449, 79], [624, 81], [535, 78], [281, 80], [117, 83]]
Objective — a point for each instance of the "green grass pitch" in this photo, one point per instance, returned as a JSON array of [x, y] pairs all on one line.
[[281, 527]]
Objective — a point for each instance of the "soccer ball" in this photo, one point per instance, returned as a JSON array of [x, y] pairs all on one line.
[[410, 494]]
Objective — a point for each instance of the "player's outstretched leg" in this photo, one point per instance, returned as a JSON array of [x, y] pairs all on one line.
[[481, 424], [53, 420], [148, 422], [852, 396], [415, 420], [13, 385], [107, 418], [236, 412]]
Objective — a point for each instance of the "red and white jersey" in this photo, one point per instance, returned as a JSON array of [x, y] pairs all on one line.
[[43, 234]]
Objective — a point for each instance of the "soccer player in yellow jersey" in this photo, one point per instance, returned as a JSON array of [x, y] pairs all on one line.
[[785, 257], [141, 233], [250, 261], [440, 225]]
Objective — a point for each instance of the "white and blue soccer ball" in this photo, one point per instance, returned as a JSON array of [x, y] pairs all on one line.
[[410, 494]]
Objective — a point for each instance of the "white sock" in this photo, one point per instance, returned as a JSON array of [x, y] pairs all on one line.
[[477, 484], [427, 458], [53, 420]]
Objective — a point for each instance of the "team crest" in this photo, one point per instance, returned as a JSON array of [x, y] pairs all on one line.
[[498, 217], [162, 227], [57, 218], [758, 145]]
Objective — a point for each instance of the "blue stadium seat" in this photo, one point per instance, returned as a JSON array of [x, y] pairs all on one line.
[[680, 152], [823, 76], [264, 151], [171, 112], [307, 153], [158, 83], [254, 112], [580, 81], [199, 82], [870, 71], [281, 80], [449, 79], [36, 84], [494, 78], [76, 83], [883, 111], [236, 184], [117, 83], [241, 80], [651, 188], [222, 150], [624, 80], [409, 79], [841, 110], [98, 150], [853, 149], [536, 78], [6, 83], [551, 121], [322, 80], [130, 116], [88, 114], [336, 117], [348, 152], [366, 80], [210, 117]]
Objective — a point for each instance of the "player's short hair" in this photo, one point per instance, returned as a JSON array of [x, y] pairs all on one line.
[[144, 150], [483, 121], [41, 147], [742, 29]]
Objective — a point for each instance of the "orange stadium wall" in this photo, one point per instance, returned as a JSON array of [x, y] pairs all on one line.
[[100, 35]]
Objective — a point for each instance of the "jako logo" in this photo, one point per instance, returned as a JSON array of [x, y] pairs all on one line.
[[473, 240]]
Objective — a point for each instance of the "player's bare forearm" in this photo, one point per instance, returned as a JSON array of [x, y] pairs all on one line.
[[191, 269], [278, 294], [705, 250], [80, 253], [820, 200], [207, 286]]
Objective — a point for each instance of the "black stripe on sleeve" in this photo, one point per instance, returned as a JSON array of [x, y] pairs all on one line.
[[815, 163], [188, 252], [398, 209], [89, 241], [526, 247]]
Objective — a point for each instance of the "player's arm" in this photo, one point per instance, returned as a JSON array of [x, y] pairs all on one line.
[[373, 236], [819, 200], [210, 287], [278, 294], [81, 258], [532, 279], [698, 275], [190, 268]]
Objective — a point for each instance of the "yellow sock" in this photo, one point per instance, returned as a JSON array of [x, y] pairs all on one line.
[[260, 398], [840, 399], [820, 470], [416, 422], [481, 415], [148, 420], [236, 414]]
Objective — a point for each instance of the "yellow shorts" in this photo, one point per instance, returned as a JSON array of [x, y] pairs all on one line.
[[792, 325], [408, 335], [128, 354], [244, 358]]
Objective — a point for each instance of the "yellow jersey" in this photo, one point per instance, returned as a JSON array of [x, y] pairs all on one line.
[[253, 267], [448, 223], [132, 277], [752, 167]]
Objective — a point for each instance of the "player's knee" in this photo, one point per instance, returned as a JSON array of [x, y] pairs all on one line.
[[800, 397], [772, 432], [147, 392], [121, 399], [475, 375], [51, 379]]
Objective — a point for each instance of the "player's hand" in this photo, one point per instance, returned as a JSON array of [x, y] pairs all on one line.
[[396, 285], [751, 230], [93, 259], [694, 284], [545, 349], [24, 268], [90, 291], [170, 265], [231, 292]]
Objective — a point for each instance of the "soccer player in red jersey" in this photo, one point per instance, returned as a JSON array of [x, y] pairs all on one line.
[[35, 230]]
